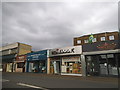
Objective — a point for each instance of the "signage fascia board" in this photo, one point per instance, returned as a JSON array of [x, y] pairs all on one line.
[[39, 55], [74, 50], [21, 57]]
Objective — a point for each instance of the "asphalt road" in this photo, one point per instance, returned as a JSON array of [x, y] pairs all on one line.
[[46, 82]]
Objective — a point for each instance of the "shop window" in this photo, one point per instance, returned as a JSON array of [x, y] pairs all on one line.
[[14, 50], [78, 41], [88, 58], [20, 65], [86, 41], [103, 56], [5, 52], [112, 65], [71, 65], [111, 37], [110, 56], [102, 38]]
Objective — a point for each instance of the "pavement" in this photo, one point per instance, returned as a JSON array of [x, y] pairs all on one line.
[[48, 81]]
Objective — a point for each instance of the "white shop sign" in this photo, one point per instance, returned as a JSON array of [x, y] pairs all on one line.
[[65, 51]]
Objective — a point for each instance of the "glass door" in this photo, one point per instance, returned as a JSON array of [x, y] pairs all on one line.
[[112, 65], [56, 65], [103, 65], [92, 64]]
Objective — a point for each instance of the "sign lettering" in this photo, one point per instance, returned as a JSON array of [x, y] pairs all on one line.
[[62, 51]]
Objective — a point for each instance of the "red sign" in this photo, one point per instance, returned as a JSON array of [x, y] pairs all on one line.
[[107, 46], [22, 57]]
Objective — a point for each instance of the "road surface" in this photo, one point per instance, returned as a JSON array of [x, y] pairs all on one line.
[[48, 82]]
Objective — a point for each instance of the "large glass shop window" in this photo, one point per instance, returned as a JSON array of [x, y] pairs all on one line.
[[33, 67], [101, 65], [108, 65], [112, 66], [71, 65], [37, 66], [42, 66]]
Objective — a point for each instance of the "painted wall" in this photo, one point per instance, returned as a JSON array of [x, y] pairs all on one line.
[[24, 49], [14, 45]]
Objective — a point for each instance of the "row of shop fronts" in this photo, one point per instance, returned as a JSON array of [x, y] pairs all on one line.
[[67, 61], [98, 58]]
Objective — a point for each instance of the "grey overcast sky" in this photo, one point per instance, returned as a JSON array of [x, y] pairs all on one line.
[[47, 25]]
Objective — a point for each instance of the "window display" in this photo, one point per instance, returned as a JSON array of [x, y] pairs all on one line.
[[37, 67], [71, 65]]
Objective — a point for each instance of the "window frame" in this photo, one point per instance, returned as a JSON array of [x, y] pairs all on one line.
[[102, 39], [86, 40], [95, 40], [79, 41], [112, 36]]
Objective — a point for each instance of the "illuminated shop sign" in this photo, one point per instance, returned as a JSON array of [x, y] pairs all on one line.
[[66, 51]]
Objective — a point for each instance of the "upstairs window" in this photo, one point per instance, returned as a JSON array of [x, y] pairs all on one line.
[[111, 37], [102, 38], [86, 41], [78, 41], [94, 40]]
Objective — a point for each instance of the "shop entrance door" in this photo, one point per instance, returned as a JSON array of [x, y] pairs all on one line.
[[103, 65], [9, 67], [92, 63], [57, 67], [112, 65]]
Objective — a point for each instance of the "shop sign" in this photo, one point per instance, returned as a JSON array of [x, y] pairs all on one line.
[[66, 51], [62, 51], [23, 57], [40, 55], [99, 46], [106, 46]]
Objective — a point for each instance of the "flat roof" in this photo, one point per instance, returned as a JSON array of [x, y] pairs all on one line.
[[96, 34]]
